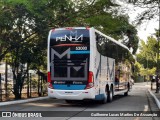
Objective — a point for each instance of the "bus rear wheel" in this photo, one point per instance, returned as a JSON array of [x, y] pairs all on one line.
[[104, 101], [128, 87], [110, 95], [69, 101]]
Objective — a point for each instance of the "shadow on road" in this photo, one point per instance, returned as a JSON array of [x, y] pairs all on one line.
[[87, 103]]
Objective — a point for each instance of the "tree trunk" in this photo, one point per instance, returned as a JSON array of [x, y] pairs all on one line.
[[6, 80], [16, 92], [27, 81], [17, 87]]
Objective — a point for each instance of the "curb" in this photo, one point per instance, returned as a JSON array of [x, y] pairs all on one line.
[[23, 101], [155, 98]]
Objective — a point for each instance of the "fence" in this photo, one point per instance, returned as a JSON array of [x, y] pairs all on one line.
[[34, 86]]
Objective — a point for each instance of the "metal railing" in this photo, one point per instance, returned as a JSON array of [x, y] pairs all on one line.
[[29, 90]]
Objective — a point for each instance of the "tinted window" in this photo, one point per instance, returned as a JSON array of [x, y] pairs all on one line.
[[110, 49]]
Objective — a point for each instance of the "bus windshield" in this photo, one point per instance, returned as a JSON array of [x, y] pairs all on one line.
[[69, 55]]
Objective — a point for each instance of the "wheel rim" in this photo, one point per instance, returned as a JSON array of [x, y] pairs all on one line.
[[111, 94]]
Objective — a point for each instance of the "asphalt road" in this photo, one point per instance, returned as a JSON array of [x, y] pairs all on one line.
[[138, 101]]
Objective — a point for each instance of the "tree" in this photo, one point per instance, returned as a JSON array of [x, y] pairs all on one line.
[[102, 16], [22, 37], [151, 9], [148, 53], [24, 26], [80, 13]]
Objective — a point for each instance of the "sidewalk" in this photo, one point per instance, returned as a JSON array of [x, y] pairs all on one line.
[[22, 101], [156, 96]]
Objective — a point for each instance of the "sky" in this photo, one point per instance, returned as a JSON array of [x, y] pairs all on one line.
[[147, 28]]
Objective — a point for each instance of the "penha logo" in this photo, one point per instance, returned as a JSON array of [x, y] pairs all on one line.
[[73, 37]]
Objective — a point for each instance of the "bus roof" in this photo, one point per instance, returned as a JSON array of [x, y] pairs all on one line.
[[111, 39], [70, 28]]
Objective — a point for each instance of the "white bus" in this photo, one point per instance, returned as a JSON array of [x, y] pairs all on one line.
[[83, 64]]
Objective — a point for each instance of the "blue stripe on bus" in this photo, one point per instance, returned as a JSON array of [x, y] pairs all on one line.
[[99, 97], [80, 52], [69, 87]]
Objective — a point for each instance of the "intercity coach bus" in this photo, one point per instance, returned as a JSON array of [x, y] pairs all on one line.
[[84, 63]]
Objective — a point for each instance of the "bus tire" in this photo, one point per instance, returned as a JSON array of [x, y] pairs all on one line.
[[110, 95], [104, 101], [69, 101], [126, 93]]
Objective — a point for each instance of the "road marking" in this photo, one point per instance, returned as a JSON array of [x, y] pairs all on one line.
[[145, 108]]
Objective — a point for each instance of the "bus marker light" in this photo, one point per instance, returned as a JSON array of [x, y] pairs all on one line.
[[87, 27], [49, 77], [69, 28], [85, 92], [90, 78], [50, 85], [90, 81]]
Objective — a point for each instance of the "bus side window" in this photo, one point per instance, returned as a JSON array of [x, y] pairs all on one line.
[[98, 43]]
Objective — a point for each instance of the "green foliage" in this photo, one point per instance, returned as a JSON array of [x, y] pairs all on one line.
[[24, 26], [148, 52], [137, 68], [148, 57], [111, 24]]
